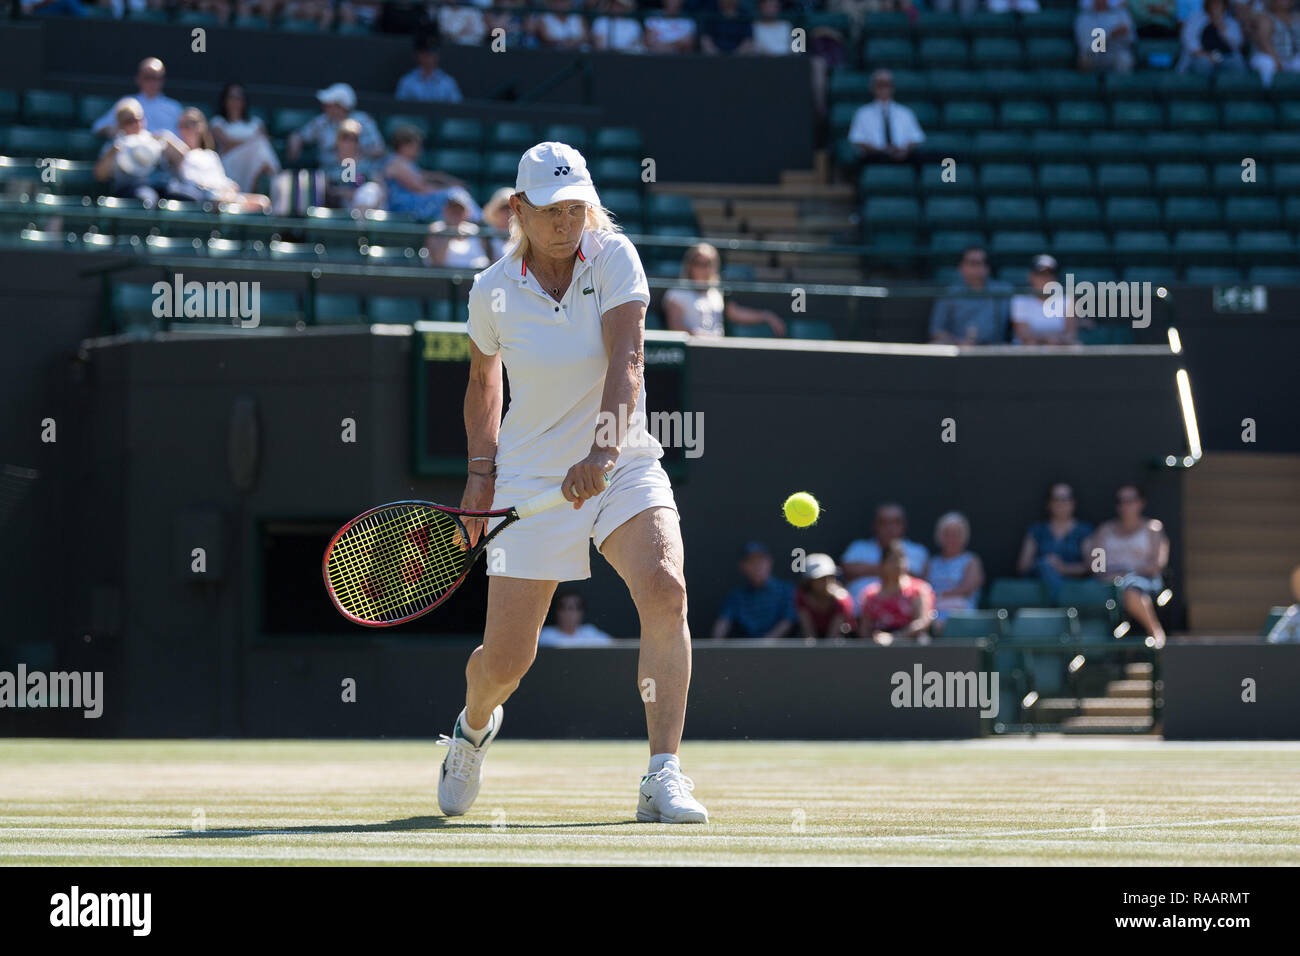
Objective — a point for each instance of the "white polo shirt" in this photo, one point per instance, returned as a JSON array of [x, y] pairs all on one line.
[[555, 355]]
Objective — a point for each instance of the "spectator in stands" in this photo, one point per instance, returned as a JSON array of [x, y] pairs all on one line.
[[1013, 6], [560, 28], [884, 131], [1053, 549], [462, 24], [353, 182], [614, 29], [509, 17], [1136, 551], [1212, 41], [862, 558], [198, 172], [411, 190], [159, 112], [53, 8], [1287, 629], [668, 31], [897, 607], [1034, 318], [823, 605], [773, 34], [762, 607], [1154, 19], [1112, 50], [242, 141], [569, 629], [955, 574], [497, 214], [454, 241], [727, 30], [427, 83], [1276, 41], [964, 319], [131, 164], [337, 103], [700, 311]]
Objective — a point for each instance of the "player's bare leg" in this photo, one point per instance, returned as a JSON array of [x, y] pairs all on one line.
[[647, 552], [516, 610]]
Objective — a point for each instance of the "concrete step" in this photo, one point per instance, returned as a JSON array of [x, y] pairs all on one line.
[[1245, 464], [1228, 617], [1239, 509], [1139, 670], [1264, 563], [1279, 488], [1095, 706], [1240, 588], [1103, 725], [1234, 539], [1130, 688]]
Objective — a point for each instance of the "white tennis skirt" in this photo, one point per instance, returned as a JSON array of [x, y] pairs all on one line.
[[554, 545]]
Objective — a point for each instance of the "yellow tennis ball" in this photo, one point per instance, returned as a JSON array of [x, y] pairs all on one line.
[[801, 509]]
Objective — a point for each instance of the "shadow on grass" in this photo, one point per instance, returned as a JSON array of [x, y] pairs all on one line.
[[392, 826]]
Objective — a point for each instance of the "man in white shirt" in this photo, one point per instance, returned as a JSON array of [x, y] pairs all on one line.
[[884, 131], [161, 113], [861, 560]]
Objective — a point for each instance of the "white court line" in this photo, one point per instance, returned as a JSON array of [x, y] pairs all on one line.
[[949, 837]]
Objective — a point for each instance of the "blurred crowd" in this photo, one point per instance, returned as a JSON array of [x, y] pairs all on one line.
[[890, 588]]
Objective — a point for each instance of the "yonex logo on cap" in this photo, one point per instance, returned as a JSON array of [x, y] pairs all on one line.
[[562, 170]]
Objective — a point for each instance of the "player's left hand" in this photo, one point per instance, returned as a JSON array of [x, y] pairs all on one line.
[[586, 479]]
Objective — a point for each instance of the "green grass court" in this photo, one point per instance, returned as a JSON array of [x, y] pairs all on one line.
[[1003, 801]]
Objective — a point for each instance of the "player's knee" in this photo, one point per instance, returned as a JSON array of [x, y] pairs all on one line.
[[662, 593], [505, 668]]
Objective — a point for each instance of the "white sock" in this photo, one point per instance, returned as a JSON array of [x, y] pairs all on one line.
[[473, 736], [659, 761]]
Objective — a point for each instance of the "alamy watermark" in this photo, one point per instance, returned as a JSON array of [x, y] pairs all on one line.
[[241, 302], [959, 689], [1100, 300], [635, 429], [78, 690]]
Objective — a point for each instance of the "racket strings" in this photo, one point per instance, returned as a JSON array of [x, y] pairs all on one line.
[[396, 562]]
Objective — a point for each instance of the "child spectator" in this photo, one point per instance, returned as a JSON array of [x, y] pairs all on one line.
[[568, 629], [955, 573], [337, 103], [454, 241], [898, 606], [1053, 549], [763, 606], [823, 605]]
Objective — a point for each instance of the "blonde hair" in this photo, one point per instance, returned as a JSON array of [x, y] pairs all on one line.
[[127, 106], [702, 248], [200, 121], [599, 219]]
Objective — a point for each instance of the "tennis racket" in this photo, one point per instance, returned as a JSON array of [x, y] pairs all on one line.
[[395, 562]]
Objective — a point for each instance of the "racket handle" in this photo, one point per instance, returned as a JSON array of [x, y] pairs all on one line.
[[545, 502]]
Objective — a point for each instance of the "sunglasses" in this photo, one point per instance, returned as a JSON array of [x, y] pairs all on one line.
[[576, 212]]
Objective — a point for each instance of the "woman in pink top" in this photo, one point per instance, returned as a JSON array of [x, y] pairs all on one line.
[[898, 606], [1135, 550]]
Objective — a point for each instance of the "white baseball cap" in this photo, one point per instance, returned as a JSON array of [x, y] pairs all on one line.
[[553, 172], [819, 566], [340, 93]]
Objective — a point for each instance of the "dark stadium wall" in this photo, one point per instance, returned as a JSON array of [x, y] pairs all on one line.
[[690, 110], [1231, 691]]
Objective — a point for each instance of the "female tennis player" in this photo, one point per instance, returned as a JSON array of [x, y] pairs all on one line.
[[564, 312]]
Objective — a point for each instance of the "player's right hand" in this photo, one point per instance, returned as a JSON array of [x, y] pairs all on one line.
[[479, 491]]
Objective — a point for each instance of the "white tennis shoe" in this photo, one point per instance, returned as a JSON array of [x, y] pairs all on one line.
[[462, 768], [666, 798]]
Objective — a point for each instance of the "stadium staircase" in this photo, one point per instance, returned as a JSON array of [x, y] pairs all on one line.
[[1241, 512], [1127, 707]]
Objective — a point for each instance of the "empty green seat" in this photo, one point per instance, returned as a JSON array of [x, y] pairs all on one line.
[[1251, 212], [996, 52], [502, 167], [887, 24], [984, 23], [574, 135], [613, 171], [1265, 247], [296, 251], [1286, 178], [811, 329], [1080, 114], [1136, 114], [626, 205], [1142, 246], [968, 625], [1049, 51], [852, 85], [953, 211], [665, 209], [1159, 146], [618, 141], [1067, 83], [933, 181], [889, 52], [1181, 178], [956, 84], [1203, 247], [398, 120], [1156, 275], [1110, 146], [935, 52], [1010, 84], [1193, 115], [947, 244], [1217, 146], [280, 307], [1014, 593], [1133, 211], [456, 131], [1017, 245], [1248, 115], [1064, 179], [1183, 212], [1071, 211], [1049, 23], [1024, 114], [394, 309], [1227, 179], [511, 134], [287, 121], [1006, 177], [1042, 624], [1278, 145], [996, 146], [1123, 178], [1012, 212], [1079, 247], [1050, 145], [1212, 275], [49, 108], [1274, 275], [970, 115], [891, 212], [884, 177], [1091, 597]]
